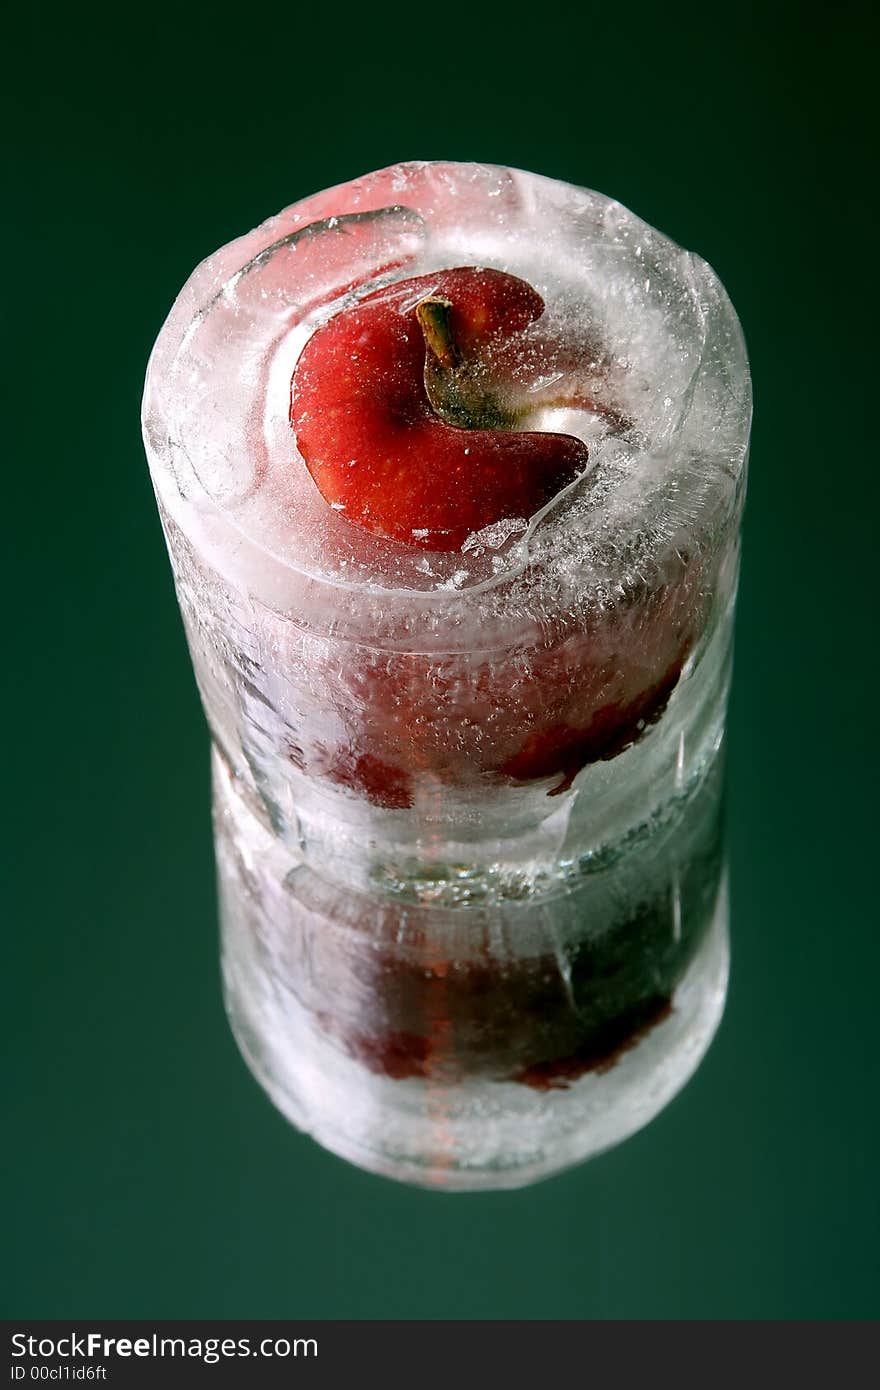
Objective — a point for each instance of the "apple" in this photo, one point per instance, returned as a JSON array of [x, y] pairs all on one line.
[[406, 407], [410, 409]]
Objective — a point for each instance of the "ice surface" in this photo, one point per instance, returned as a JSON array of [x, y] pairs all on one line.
[[659, 345]]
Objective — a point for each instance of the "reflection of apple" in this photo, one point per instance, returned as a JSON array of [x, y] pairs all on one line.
[[405, 409], [420, 1010]]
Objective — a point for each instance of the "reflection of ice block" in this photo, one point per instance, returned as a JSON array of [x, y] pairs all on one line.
[[468, 732], [475, 1047]]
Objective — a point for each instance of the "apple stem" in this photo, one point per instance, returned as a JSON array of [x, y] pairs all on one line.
[[433, 316], [455, 386]]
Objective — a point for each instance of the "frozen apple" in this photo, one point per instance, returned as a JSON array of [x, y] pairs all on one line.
[[407, 410], [410, 409], [451, 462]]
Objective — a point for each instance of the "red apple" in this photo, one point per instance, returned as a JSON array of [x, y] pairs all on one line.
[[405, 406]]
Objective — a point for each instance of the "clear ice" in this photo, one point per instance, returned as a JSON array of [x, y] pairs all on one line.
[[495, 770]]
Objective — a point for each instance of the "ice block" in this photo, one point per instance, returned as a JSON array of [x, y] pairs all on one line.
[[467, 771]]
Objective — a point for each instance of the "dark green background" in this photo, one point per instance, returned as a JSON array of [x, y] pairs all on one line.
[[148, 1176]]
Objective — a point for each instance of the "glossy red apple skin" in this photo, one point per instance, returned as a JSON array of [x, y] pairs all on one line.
[[376, 448]]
